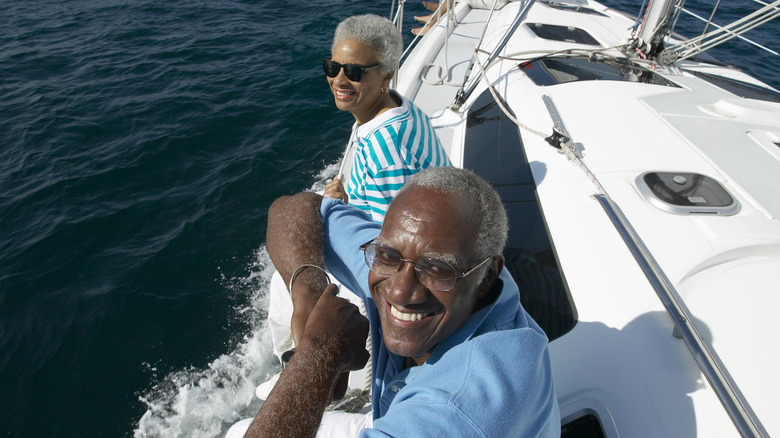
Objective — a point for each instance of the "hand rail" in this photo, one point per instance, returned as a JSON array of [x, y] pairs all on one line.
[[462, 94], [742, 415]]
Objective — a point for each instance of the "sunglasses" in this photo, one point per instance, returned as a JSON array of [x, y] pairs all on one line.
[[353, 72], [432, 273]]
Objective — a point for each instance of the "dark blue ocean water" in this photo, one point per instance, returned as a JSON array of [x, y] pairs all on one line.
[[141, 143]]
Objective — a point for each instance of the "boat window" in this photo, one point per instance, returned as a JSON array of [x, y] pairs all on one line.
[[586, 426], [686, 193], [568, 34], [739, 88], [494, 150], [572, 8], [552, 71]]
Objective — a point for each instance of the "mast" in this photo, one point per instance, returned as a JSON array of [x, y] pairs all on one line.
[[654, 26]]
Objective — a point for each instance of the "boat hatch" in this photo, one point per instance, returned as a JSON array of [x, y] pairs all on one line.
[[572, 7], [686, 193], [739, 88], [560, 70], [494, 150], [587, 425], [569, 34]]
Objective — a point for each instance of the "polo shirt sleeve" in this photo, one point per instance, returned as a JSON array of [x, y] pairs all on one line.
[[345, 229]]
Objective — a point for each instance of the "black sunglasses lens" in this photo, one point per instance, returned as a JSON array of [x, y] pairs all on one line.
[[331, 68], [354, 72]]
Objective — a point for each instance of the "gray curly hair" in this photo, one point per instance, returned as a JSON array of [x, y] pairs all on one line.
[[377, 33], [490, 238]]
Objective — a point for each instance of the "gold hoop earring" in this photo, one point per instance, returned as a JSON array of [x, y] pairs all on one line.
[[384, 90]]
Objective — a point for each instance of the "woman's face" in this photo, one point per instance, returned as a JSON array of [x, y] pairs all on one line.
[[359, 98]]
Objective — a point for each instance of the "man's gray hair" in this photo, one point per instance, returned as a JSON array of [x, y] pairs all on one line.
[[491, 234], [377, 33]]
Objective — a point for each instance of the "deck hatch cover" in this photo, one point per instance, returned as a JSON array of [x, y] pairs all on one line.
[[560, 70], [572, 7], [569, 34], [686, 193], [739, 88]]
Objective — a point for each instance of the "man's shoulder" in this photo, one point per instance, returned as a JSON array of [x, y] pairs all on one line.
[[502, 374], [506, 345], [490, 358]]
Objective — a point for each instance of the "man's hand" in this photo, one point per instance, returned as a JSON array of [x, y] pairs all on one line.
[[333, 342], [335, 323], [334, 189]]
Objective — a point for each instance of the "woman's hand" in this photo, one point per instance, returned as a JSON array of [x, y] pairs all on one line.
[[334, 189]]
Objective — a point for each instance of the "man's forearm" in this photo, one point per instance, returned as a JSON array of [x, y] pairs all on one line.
[[295, 406]]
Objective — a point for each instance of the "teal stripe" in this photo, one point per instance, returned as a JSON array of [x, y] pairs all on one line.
[[413, 138], [374, 157], [374, 200], [435, 146], [378, 212], [395, 172], [401, 133], [392, 186], [385, 150], [396, 142]]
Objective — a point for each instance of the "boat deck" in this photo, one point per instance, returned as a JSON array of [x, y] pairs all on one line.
[[621, 360]]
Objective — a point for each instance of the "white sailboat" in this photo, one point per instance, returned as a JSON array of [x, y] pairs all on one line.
[[642, 182]]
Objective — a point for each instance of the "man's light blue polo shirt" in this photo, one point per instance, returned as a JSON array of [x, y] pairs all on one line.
[[490, 378]]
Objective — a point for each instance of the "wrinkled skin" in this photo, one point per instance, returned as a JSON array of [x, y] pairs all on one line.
[[424, 223]]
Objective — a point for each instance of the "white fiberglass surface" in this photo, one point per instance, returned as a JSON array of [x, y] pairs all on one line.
[[736, 304], [622, 356]]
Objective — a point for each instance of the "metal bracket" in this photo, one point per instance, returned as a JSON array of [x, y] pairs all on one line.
[[560, 138]]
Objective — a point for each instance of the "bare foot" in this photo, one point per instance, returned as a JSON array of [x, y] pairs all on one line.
[[422, 18], [421, 30]]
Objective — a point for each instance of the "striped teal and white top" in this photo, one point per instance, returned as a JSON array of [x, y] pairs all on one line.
[[389, 149]]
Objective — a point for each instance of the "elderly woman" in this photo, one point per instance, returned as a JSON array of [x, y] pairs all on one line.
[[393, 139]]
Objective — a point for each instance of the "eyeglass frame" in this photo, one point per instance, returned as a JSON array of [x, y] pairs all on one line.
[[350, 66], [459, 273]]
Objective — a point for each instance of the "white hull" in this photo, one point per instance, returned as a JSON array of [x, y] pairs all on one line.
[[620, 361]]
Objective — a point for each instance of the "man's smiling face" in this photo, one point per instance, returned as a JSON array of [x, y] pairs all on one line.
[[424, 223]]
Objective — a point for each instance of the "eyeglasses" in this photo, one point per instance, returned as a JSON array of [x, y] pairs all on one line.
[[433, 274], [354, 72]]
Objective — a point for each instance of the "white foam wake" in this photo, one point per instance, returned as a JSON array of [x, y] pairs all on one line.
[[204, 403]]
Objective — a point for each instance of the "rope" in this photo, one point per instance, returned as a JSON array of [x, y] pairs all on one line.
[[500, 104], [451, 18], [570, 154]]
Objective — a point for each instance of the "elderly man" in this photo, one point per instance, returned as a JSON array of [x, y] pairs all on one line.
[[454, 353]]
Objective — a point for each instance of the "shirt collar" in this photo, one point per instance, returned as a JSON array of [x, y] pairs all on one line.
[[500, 313]]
